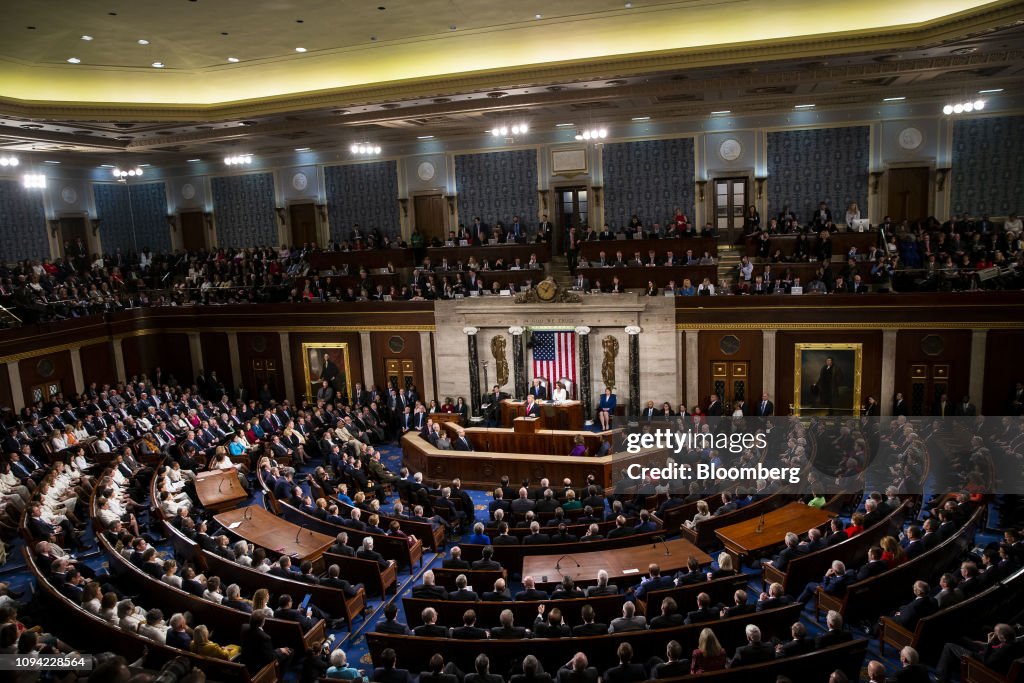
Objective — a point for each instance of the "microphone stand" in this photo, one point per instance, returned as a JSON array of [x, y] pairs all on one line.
[[661, 539], [558, 564]]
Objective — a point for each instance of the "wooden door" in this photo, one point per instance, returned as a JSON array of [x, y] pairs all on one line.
[[730, 205], [193, 230], [41, 393], [907, 198], [572, 210], [400, 373], [71, 229], [731, 381], [928, 382], [428, 210], [302, 218], [264, 371]]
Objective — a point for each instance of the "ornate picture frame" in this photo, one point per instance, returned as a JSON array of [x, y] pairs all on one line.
[[835, 392], [313, 365]]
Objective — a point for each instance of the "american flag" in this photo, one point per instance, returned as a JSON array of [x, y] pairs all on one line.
[[554, 356]]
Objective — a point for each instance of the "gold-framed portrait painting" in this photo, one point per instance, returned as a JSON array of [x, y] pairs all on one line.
[[326, 361], [827, 379]]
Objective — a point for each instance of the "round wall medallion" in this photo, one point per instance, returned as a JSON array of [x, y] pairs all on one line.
[[426, 171], [69, 195], [933, 345], [910, 138], [258, 343], [188, 191], [300, 181], [729, 344], [396, 344], [45, 367], [730, 149]]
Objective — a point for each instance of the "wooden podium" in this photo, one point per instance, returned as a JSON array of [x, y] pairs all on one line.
[[527, 425], [567, 415]]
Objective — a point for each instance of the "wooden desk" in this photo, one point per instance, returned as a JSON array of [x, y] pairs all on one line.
[[564, 415], [370, 258], [637, 277], [591, 250], [219, 489], [841, 243], [616, 562], [265, 529], [742, 538], [506, 252]]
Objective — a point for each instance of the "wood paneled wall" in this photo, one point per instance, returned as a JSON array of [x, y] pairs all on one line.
[[217, 357], [53, 367], [260, 347], [98, 364], [1002, 369], [949, 351], [730, 347], [381, 344], [169, 350]]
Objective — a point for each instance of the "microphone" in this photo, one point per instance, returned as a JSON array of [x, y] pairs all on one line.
[[220, 486], [558, 564], [297, 532], [656, 539], [248, 513]]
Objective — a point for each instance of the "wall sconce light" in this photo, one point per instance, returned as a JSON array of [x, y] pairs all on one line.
[[701, 184], [597, 194], [322, 209], [208, 217], [54, 226], [172, 222], [544, 198], [279, 210], [759, 182], [450, 198], [940, 177], [404, 202], [876, 179], [95, 223]]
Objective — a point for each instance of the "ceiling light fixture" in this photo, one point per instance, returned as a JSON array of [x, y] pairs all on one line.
[[233, 60], [158, 65], [424, 137], [515, 129], [990, 90], [592, 134], [143, 41], [804, 106], [34, 181], [365, 148], [721, 112], [963, 107], [74, 60], [86, 37], [629, 5], [51, 161], [238, 160], [193, 161], [300, 49], [302, 149], [9, 161], [641, 118], [564, 125], [121, 174], [893, 99], [538, 16]]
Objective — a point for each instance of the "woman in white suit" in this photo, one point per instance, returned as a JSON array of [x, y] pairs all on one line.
[[559, 393]]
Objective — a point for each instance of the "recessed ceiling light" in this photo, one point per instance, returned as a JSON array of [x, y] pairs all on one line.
[[538, 16], [194, 161], [990, 90], [300, 49], [143, 41], [145, 165], [564, 125], [302, 149], [50, 161], [893, 99], [74, 60], [158, 65], [106, 166], [641, 118], [233, 59], [424, 137], [629, 5], [721, 112], [804, 106], [86, 37]]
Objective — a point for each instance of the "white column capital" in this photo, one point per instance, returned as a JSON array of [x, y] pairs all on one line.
[[633, 329], [470, 330], [516, 330], [583, 329]]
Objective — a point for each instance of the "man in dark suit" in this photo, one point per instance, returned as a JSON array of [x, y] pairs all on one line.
[[654, 581], [966, 409], [754, 652], [429, 627], [387, 673], [462, 442], [835, 633], [530, 591], [334, 580], [765, 408], [531, 408], [715, 408], [775, 597], [577, 670], [508, 630], [455, 561], [798, 645], [899, 405], [366, 552], [626, 671], [912, 671], [462, 592], [257, 647], [874, 566], [391, 623], [499, 594], [997, 652], [669, 617], [921, 606], [535, 537], [704, 611], [790, 552], [469, 630], [428, 589], [482, 674], [589, 627], [287, 612], [538, 390]]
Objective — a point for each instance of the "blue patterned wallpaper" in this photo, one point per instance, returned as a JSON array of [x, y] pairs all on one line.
[[243, 208], [366, 194], [649, 178], [132, 216], [806, 167], [22, 223], [497, 186], [988, 169]]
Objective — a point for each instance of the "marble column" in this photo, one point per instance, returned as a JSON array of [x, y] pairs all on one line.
[[76, 369], [366, 356], [768, 365], [583, 333], [518, 365], [17, 391], [474, 369], [195, 349], [692, 368], [888, 373], [286, 368], [236, 362], [634, 372], [427, 354], [976, 381], [119, 370]]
